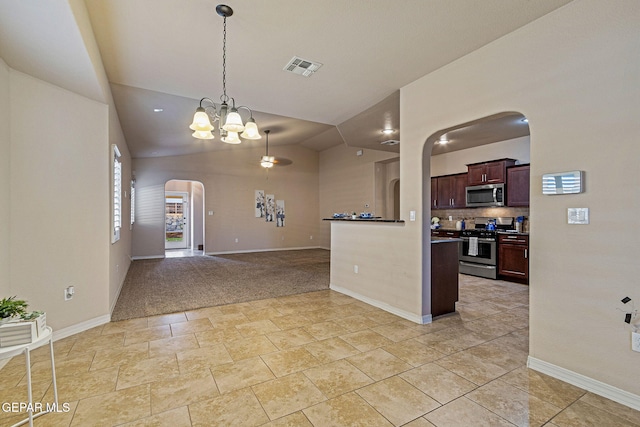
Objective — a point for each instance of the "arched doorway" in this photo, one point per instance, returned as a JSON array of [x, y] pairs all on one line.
[[184, 218], [503, 135]]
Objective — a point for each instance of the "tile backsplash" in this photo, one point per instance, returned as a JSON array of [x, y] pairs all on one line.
[[470, 213]]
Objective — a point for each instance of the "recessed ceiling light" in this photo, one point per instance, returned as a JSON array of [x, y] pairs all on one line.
[[388, 131], [158, 110]]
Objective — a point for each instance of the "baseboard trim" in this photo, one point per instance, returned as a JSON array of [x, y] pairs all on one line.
[[134, 258], [115, 300], [248, 251], [602, 389], [81, 327], [383, 305]]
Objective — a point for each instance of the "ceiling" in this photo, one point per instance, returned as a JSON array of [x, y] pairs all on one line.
[[167, 54]]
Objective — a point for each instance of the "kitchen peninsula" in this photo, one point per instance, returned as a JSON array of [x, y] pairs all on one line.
[[366, 263]]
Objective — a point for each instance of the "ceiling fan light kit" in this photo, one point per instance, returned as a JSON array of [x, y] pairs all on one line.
[[230, 123], [267, 161]]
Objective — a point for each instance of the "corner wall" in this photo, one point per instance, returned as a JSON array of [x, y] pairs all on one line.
[[59, 203], [347, 183]]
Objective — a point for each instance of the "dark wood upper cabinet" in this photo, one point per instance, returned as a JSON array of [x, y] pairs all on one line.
[[518, 178], [434, 193], [493, 172], [450, 191]]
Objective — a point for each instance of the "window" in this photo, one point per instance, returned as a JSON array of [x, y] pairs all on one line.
[[117, 194], [133, 201]]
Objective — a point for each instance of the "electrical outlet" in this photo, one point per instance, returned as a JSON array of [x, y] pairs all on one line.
[[68, 293], [310, 237], [236, 240], [635, 341], [355, 269]]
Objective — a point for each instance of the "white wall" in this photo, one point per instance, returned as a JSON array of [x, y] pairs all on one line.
[[59, 203], [5, 180], [230, 178]]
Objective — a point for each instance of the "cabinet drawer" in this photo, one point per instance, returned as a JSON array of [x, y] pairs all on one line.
[[514, 239]]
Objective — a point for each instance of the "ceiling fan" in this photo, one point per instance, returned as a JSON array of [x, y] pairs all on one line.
[[268, 161]]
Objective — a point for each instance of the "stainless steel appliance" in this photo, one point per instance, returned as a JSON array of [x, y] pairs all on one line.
[[486, 195], [478, 253]]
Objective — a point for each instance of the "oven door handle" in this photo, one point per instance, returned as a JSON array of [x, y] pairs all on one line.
[[468, 264], [480, 239]]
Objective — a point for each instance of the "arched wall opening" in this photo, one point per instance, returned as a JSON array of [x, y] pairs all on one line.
[[498, 136], [184, 216]]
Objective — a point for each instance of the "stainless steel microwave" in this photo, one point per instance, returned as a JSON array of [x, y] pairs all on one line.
[[486, 195]]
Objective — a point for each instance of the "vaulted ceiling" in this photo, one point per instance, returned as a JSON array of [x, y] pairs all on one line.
[[167, 54]]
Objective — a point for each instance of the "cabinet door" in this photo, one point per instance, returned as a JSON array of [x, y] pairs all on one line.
[[434, 193], [494, 172], [513, 261], [445, 185], [459, 193], [518, 186], [475, 174]]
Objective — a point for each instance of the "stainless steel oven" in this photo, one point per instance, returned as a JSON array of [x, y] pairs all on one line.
[[478, 253], [485, 263]]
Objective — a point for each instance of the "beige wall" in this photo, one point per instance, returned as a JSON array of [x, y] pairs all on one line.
[[572, 74], [59, 203], [230, 178], [347, 183], [5, 180]]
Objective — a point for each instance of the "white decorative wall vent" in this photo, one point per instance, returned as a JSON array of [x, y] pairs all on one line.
[[302, 67]]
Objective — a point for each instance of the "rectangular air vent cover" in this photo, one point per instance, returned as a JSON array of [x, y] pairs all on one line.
[[302, 67]]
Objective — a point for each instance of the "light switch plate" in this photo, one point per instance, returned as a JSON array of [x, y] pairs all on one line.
[[578, 215]]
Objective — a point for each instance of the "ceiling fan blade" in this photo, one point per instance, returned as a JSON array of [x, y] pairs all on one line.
[[281, 161]]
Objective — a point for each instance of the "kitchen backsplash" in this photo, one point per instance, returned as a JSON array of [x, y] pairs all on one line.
[[469, 214]]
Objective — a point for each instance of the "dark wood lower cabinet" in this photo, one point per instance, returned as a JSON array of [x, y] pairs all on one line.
[[513, 257], [444, 277]]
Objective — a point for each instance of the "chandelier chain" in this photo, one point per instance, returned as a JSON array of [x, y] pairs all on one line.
[[224, 96]]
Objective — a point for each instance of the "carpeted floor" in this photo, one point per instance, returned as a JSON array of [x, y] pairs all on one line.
[[170, 285]]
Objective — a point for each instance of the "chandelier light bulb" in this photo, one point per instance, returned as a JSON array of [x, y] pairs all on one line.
[[251, 130], [232, 138], [234, 122], [201, 121], [203, 134]]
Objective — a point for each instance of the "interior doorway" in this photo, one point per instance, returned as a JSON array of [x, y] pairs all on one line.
[[184, 218], [176, 220]]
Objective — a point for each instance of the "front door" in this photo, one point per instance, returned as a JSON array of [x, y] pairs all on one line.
[[176, 223]]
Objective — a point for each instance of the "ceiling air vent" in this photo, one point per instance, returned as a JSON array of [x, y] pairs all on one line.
[[302, 67], [390, 142]]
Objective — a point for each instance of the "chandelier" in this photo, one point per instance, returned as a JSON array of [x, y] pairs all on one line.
[[229, 121]]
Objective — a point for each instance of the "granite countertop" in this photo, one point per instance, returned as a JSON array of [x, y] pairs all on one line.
[[374, 219]]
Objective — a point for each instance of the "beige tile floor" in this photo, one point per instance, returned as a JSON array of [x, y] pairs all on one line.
[[316, 359]]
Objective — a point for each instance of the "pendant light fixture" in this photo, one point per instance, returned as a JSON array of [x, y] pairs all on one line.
[[229, 121], [267, 161]]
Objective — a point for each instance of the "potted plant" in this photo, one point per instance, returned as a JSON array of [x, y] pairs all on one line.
[[12, 307]]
